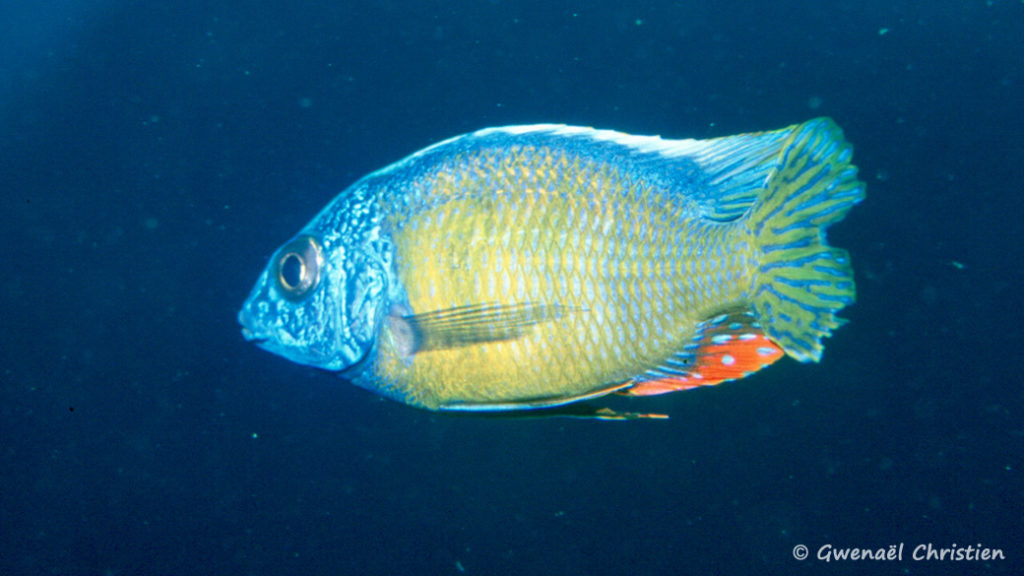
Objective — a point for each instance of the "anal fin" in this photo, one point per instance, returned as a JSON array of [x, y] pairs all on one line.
[[726, 347]]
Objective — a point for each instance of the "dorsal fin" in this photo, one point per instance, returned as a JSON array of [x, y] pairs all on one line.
[[723, 177], [726, 347], [737, 168]]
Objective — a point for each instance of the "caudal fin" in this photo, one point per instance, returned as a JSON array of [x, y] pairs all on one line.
[[802, 282]]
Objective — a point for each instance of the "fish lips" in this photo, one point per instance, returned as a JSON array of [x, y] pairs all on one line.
[[245, 319]]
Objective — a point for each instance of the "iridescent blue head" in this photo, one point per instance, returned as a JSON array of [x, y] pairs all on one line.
[[321, 299]]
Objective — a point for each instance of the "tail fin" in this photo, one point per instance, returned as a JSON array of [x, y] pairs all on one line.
[[803, 282]]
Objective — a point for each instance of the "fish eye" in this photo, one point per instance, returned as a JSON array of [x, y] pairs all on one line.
[[297, 267]]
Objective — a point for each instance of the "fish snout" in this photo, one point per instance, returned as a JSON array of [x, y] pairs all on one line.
[[248, 323]]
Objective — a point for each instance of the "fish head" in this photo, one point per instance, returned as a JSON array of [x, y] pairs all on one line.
[[317, 303]]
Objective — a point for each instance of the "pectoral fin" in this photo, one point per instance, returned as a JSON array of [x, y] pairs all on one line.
[[468, 325]]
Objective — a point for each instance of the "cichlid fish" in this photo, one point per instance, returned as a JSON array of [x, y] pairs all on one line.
[[532, 267]]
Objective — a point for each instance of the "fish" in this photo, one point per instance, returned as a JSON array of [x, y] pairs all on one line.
[[535, 269]]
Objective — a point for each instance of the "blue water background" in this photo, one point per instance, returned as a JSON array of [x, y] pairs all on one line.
[[154, 154]]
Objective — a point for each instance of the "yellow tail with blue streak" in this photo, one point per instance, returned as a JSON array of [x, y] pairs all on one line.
[[802, 282]]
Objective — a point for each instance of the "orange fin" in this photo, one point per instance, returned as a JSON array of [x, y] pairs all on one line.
[[726, 347]]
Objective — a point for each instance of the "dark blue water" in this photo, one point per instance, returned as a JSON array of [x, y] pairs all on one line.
[[153, 155]]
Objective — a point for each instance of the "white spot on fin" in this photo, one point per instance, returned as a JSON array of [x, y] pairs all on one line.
[[653, 144]]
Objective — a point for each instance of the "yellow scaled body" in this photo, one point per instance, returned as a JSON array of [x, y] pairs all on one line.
[[631, 274]]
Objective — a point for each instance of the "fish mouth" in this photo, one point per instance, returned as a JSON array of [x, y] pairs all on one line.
[[251, 336], [245, 320]]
